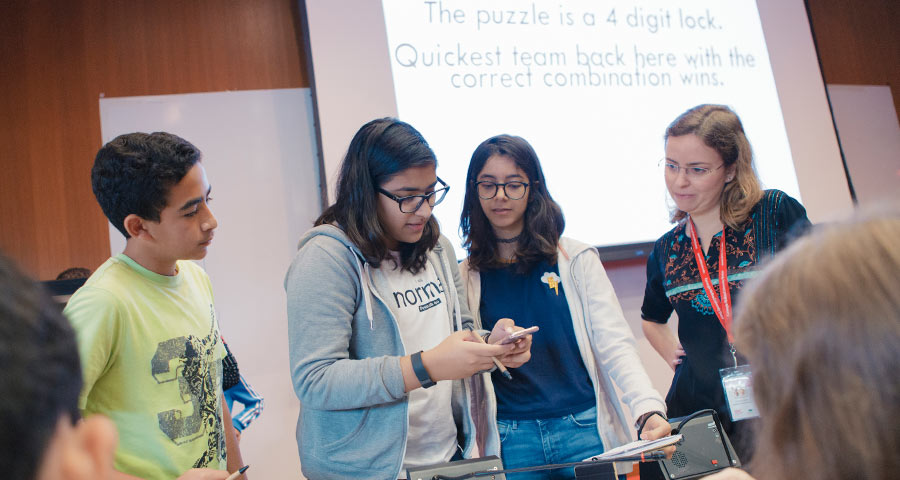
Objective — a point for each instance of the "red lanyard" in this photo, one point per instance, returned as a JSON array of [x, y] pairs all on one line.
[[721, 305]]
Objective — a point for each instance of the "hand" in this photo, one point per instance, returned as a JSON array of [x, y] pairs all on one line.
[[675, 358], [658, 427], [730, 474], [521, 351], [461, 356], [204, 474]]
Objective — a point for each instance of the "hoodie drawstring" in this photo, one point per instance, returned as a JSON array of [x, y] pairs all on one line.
[[364, 283], [454, 297]]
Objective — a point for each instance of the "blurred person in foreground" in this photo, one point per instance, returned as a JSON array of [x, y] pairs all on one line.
[[821, 328]]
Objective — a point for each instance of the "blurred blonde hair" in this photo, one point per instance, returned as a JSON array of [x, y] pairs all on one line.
[[721, 129], [821, 328]]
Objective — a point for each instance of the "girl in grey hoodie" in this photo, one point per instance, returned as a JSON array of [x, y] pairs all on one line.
[[384, 354]]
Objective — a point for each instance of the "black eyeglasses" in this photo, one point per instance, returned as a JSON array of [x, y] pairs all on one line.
[[513, 190], [413, 203]]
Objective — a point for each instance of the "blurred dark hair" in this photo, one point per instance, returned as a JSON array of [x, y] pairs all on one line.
[[380, 150], [74, 273], [40, 372], [133, 173], [544, 221]]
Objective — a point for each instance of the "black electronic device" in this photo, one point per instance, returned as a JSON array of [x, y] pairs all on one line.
[[458, 468], [600, 471], [704, 449], [492, 468]]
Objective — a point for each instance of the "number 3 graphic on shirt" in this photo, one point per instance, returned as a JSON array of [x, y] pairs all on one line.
[[186, 356]]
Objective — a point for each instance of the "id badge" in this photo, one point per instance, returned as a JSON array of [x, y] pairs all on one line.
[[738, 385]]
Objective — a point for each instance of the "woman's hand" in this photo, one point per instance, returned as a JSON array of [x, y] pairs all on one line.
[[675, 357], [658, 427], [461, 356], [521, 351]]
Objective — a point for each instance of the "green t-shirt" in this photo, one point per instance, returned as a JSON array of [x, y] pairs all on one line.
[[151, 356]]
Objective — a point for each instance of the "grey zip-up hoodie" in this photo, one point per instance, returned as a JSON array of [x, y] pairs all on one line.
[[345, 350]]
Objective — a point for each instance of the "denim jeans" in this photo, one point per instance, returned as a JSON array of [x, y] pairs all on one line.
[[529, 443]]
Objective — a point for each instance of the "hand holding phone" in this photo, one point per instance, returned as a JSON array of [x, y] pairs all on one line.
[[519, 334]]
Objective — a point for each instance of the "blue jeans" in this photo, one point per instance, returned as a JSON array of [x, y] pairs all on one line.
[[529, 443]]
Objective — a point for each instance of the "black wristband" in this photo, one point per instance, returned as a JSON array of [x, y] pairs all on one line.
[[420, 371]]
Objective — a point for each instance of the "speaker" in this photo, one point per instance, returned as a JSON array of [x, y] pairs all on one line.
[[458, 468], [703, 450]]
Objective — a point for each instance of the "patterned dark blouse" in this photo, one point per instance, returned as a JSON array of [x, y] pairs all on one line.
[[673, 284]]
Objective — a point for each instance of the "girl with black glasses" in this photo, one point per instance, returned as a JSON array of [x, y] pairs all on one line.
[[383, 356], [561, 406]]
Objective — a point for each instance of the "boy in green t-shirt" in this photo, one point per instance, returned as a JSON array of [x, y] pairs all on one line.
[[150, 348], [41, 437]]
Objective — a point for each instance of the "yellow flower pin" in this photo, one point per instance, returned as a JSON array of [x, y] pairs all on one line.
[[552, 281]]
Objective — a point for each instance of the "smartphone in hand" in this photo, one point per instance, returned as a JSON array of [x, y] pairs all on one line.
[[519, 334]]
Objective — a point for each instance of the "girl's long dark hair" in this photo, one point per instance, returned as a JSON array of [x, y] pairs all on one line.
[[380, 150], [544, 221]]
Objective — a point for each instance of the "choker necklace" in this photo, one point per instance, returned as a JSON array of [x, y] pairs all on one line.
[[509, 240]]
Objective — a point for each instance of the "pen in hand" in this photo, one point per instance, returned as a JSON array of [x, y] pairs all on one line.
[[237, 474], [499, 365]]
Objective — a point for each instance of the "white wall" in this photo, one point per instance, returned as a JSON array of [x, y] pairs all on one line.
[[629, 281], [807, 117], [870, 138], [351, 76]]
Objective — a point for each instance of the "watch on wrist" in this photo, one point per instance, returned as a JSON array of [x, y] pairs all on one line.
[[420, 371]]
